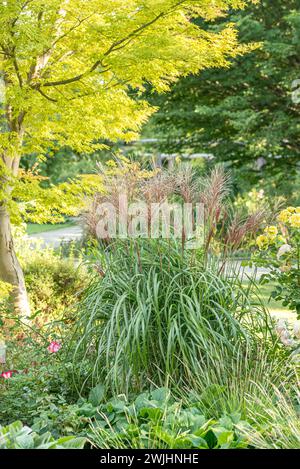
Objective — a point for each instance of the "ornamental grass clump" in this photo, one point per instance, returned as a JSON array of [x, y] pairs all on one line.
[[157, 314]]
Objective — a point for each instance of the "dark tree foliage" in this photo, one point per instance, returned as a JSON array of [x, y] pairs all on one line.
[[248, 116]]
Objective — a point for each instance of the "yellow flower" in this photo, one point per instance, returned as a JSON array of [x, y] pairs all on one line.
[[284, 216], [271, 232], [262, 241], [291, 209], [111, 164], [295, 220], [297, 209]]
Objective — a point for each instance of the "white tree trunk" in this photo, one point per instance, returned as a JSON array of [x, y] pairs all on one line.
[[10, 269]]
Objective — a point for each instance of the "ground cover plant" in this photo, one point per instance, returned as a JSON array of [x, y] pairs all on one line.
[[155, 420], [16, 436]]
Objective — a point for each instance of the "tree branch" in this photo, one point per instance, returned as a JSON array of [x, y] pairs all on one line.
[[45, 96], [76, 78], [17, 70], [115, 46]]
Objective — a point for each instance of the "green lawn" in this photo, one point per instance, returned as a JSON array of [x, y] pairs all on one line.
[[34, 228], [276, 309]]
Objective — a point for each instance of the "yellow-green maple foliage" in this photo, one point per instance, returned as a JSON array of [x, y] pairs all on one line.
[[67, 67]]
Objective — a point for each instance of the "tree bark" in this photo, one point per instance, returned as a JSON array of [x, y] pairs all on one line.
[[10, 269]]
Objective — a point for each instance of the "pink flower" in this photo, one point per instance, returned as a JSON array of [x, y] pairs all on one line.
[[54, 347], [6, 374]]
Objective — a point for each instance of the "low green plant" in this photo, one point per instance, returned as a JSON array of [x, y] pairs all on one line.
[[155, 420], [27, 394], [17, 436], [62, 418], [43, 398]]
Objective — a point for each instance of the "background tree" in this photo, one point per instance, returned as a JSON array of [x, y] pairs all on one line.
[[249, 115], [68, 67]]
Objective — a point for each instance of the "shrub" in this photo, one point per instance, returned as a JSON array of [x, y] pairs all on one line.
[[53, 283], [26, 394], [279, 251], [42, 397], [5, 289]]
